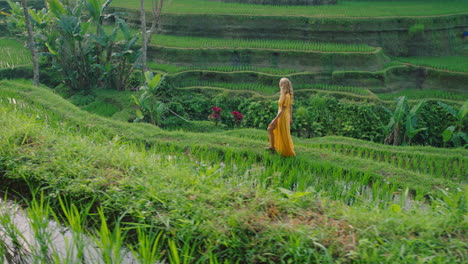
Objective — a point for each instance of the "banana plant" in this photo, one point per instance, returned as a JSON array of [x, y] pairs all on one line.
[[150, 107], [412, 123], [455, 133], [397, 132], [85, 60], [396, 121]]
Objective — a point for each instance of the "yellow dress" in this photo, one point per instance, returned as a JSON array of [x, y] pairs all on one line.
[[283, 142]]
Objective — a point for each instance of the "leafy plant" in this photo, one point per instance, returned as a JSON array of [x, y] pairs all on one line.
[[215, 114], [397, 132], [85, 59], [151, 108], [412, 123], [455, 133]]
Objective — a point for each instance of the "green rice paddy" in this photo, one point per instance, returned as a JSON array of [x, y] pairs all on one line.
[[13, 54], [193, 189], [220, 43], [343, 9], [418, 94], [175, 197], [449, 63]]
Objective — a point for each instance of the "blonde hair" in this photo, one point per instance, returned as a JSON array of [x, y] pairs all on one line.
[[287, 87]]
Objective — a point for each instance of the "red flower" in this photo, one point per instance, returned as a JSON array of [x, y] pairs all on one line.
[[216, 109], [237, 116]]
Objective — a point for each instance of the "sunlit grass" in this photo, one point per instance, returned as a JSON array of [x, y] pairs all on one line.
[[269, 89], [200, 42], [13, 54], [450, 63], [416, 94], [169, 68], [343, 9], [189, 196]]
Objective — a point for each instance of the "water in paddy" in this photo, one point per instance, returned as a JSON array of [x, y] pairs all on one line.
[[20, 241]]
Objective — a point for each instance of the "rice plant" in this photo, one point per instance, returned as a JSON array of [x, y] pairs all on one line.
[[270, 90], [13, 54], [449, 63], [447, 166], [221, 43], [415, 94], [345, 8], [214, 197], [264, 89], [170, 68], [338, 88]]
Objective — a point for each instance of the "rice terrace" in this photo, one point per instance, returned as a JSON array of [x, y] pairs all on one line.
[[159, 131]]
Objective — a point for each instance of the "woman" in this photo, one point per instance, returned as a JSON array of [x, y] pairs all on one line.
[[279, 134]]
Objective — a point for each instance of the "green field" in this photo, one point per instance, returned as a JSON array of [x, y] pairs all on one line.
[[449, 63], [169, 68], [13, 54], [197, 190], [343, 9], [270, 90], [219, 43], [224, 187], [417, 94]]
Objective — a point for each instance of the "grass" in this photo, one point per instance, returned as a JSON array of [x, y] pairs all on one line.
[[207, 43], [220, 197], [417, 94], [192, 42], [13, 54], [169, 68], [108, 103], [450, 166], [147, 133], [269, 89], [449, 63], [342, 9]]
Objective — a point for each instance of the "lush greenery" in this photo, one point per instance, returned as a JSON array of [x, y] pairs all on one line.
[[199, 42], [221, 198], [450, 63], [415, 94], [342, 9], [196, 185], [169, 68], [83, 57], [14, 54]]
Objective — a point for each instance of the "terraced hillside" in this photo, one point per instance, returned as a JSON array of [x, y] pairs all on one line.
[[46, 141], [203, 192], [342, 45], [338, 46]]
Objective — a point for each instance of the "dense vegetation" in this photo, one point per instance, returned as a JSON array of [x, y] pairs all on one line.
[[205, 199], [13, 54], [344, 9], [380, 131]]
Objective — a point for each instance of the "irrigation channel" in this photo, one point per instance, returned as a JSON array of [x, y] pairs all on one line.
[[28, 236]]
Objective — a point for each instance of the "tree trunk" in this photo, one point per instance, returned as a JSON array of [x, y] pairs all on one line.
[[144, 45], [31, 44], [157, 19]]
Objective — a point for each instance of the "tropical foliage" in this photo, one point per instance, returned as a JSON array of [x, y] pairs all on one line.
[[397, 133], [345, 8], [134, 190], [151, 108], [455, 133], [71, 35]]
